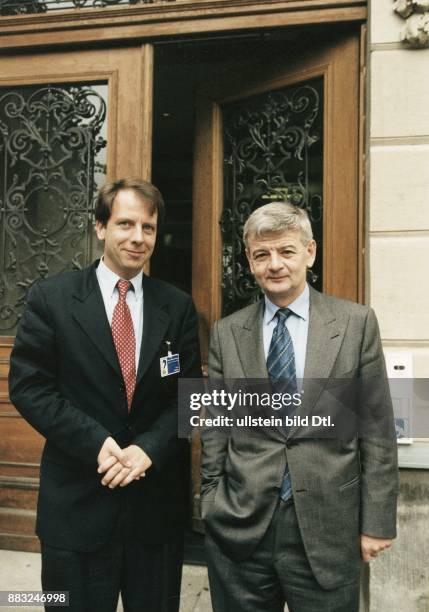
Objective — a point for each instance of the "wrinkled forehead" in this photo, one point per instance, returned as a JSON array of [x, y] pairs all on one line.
[[292, 237]]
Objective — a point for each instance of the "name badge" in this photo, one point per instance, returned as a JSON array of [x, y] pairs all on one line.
[[169, 365]]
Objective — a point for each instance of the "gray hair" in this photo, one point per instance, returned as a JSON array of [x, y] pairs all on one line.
[[278, 217]]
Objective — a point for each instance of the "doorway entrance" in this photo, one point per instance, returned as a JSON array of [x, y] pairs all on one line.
[[239, 122], [221, 125]]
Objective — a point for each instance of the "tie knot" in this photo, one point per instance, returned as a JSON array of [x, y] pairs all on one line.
[[283, 313], [123, 287]]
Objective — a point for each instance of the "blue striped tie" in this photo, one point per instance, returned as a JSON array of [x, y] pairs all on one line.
[[282, 372]]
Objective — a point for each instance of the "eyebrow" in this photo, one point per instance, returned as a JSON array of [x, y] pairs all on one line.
[[283, 246], [129, 220]]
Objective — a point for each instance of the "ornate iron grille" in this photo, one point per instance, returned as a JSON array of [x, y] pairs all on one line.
[[50, 145], [18, 7], [273, 152]]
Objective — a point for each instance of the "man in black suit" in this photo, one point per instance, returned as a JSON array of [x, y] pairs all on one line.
[[94, 369]]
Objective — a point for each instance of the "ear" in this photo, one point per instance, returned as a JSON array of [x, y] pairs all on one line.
[[100, 230], [311, 253]]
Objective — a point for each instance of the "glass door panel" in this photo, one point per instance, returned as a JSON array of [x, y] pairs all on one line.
[[53, 159], [273, 151]]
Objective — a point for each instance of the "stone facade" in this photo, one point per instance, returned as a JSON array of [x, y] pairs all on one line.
[[416, 14], [398, 264]]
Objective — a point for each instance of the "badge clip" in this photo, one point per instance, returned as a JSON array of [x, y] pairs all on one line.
[[171, 363]]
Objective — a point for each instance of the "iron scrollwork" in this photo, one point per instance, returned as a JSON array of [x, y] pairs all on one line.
[[49, 141], [18, 7], [21, 7], [273, 152]]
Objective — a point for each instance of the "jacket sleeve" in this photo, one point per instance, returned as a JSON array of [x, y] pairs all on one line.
[[160, 442], [378, 446], [214, 442], [34, 390]]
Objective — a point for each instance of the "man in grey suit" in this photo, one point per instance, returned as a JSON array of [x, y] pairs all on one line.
[[290, 517]]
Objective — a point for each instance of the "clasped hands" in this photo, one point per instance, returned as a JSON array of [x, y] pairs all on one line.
[[120, 466]]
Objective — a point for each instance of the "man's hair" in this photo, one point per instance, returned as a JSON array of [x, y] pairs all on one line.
[[145, 190], [277, 217]]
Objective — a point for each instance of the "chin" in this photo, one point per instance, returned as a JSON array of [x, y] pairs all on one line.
[[279, 289]]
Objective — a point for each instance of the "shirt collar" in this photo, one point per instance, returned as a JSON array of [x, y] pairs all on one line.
[[300, 307], [108, 280]]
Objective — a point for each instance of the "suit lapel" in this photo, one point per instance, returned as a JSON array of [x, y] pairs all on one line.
[[325, 336], [250, 344], [90, 314], [155, 323]]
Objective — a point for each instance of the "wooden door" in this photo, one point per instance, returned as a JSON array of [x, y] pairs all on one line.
[[68, 121], [283, 126]]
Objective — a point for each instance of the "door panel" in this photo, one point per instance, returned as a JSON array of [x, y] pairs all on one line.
[[87, 116], [277, 126], [53, 156], [328, 187], [273, 150]]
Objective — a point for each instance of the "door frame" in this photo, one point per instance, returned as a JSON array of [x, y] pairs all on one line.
[[339, 64], [140, 26], [160, 19]]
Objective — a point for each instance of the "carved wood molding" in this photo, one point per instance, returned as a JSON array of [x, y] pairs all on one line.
[[161, 19], [416, 15]]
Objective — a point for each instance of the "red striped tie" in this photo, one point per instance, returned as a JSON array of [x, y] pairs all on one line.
[[124, 339]]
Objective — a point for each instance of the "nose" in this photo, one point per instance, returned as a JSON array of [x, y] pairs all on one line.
[[275, 262], [137, 235]]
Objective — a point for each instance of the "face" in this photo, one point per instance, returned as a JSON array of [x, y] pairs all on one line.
[[129, 235], [279, 263]]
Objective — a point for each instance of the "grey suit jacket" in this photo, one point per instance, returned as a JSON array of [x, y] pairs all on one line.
[[341, 488]]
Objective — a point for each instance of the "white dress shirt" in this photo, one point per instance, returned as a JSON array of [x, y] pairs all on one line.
[[297, 324], [108, 281]]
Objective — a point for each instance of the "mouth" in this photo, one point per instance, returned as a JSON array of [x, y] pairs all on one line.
[[134, 253]]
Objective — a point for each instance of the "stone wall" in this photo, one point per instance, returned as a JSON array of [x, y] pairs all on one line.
[[398, 269], [399, 580]]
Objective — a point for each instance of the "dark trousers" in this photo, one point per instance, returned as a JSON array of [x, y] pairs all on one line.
[[148, 577], [277, 572]]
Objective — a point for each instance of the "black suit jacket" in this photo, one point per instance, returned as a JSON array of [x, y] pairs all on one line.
[[66, 381]]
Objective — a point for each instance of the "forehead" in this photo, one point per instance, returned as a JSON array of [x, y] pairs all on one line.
[[128, 201], [275, 240]]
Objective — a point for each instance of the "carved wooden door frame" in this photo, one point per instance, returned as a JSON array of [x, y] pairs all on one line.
[[338, 63]]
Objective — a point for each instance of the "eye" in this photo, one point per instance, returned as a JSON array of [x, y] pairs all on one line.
[[148, 228], [124, 223], [259, 256]]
